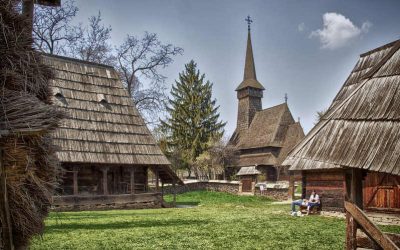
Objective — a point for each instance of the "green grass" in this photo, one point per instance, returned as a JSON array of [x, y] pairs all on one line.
[[219, 221]]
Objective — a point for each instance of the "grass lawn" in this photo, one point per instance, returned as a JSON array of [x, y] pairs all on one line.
[[220, 221]]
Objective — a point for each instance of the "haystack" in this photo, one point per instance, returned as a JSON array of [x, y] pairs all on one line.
[[29, 168]]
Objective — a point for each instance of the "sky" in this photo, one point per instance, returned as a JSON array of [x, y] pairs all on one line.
[[304, 48]]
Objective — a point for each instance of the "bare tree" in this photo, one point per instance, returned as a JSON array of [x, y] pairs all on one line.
[[52, 29], [94, 45], [139, 60]]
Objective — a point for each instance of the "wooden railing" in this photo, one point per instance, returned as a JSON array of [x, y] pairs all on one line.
[[356, 218]]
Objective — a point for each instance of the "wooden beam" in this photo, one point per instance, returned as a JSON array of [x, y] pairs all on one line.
[[146, 178], [157, 181], [174, 192], [364, 242], [75, 180], [303, 184], [162, 191], [27, 11], [132, 180], [291, 186], [52, 3], [369, 227], [105, 180], [5, 219], [351, 232]]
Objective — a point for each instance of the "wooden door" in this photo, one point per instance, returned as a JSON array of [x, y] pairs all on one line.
[[382, 191], [247, 185]]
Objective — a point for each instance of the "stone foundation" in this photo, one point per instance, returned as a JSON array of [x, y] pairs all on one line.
[[281, 194], [231, 187]]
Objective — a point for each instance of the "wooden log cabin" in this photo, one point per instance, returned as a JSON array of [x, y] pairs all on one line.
[[360, 130], [104, 146], [263, 137]]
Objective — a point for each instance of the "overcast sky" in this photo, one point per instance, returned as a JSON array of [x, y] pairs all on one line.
[[303, 48]]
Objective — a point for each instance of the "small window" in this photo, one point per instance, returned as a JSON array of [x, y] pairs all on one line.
[[60, 97], [103, 101]]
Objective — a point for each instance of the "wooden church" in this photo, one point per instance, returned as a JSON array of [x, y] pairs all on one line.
[[263, 137]]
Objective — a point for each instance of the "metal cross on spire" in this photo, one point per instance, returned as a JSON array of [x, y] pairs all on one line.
[[249, 21], [286, 97]]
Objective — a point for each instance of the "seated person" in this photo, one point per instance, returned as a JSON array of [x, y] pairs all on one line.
[[301, 202], [314, 201]]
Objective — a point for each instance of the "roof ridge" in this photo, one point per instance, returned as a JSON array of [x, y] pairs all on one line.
[[272, 107], [66, 58], [385, 46]]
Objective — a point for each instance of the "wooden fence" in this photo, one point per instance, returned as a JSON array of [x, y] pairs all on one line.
[[357, 219]]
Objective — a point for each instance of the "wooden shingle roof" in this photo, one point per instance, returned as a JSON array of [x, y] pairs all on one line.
[[273, 127], [266, 128], [361, 129], [248, 171], [104, 126]]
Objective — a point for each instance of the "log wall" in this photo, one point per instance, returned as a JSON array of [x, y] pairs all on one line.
[[381, 192], [329, 185]]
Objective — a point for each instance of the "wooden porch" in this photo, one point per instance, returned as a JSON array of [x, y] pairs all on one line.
[[98, 187], [103, 202]]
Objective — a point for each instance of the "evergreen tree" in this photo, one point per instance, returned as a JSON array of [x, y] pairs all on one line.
[[193, 116]]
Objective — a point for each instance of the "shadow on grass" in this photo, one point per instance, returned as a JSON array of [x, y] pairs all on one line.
[[186, 203], [123, 225]]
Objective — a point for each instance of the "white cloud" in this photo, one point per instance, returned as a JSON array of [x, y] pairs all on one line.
[[301, 27], [338, 31]]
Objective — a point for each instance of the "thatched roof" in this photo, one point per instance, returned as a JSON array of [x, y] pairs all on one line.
[[248, 171], [30, 170], [103, 127], [361, 129], [272, 127]]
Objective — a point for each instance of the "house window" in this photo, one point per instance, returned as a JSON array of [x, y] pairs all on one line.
[[60, 98], [103, 101]]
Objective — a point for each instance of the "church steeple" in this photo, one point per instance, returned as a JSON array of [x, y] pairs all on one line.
[[249, 91], [249, 76]]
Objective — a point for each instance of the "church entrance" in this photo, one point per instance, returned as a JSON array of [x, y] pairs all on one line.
[[271, 174], [247, 185]]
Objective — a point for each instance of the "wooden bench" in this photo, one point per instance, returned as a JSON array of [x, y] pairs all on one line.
[[313, 210]]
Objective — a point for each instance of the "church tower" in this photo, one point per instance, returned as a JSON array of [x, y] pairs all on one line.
[[249, 91]]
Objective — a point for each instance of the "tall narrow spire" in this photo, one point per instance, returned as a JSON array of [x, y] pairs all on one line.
[[249, 67], [249, 76]]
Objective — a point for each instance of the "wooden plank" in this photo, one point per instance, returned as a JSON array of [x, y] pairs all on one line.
[[351, 232], [105, 181], [132, 170], [75, 180], [376, 190], [365, 242], [369, 227]]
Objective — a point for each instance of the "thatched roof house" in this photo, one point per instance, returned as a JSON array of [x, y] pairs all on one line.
[[104, 138], [263, 137], [360, 130]]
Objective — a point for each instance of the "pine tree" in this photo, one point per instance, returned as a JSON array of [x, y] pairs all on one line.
[[193, 115]]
